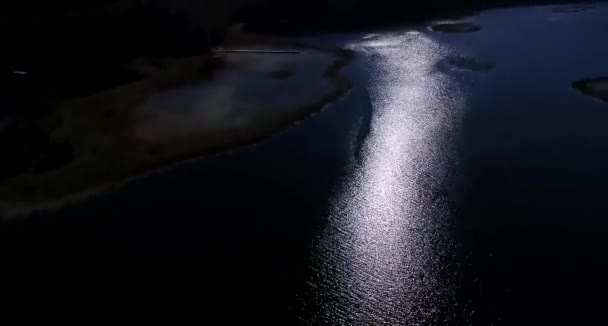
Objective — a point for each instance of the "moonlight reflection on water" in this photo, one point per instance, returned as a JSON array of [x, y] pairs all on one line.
[[383, 257]]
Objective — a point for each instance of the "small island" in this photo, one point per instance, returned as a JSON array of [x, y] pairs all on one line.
[[594, 87]]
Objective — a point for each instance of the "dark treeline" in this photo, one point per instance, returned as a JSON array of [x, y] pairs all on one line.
[[74, 32], [282, 16]]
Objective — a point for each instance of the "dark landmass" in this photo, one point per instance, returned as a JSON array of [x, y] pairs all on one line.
[[66, 49], [88, 142], [27, 147], [594, 87]]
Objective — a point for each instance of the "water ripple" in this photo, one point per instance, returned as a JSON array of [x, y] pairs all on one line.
[[386, 254]]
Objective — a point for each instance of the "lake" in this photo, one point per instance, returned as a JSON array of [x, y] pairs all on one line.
[[462, 181]]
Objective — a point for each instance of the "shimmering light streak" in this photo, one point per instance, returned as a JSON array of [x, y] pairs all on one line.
[[382, 258]]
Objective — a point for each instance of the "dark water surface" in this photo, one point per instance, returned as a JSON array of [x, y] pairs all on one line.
[[426, 195]]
